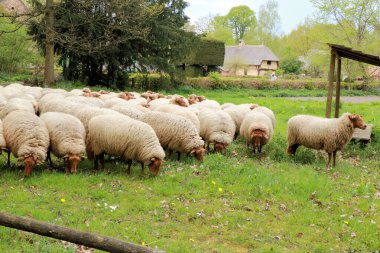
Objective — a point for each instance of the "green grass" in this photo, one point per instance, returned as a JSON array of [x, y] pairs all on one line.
[[233, 202]]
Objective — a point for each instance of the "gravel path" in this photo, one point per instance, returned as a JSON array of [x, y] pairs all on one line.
[[357, 99]]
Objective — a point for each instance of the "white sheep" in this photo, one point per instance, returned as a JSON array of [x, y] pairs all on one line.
[[174, 99], [122, 136], [319, 133], [267, 112], [256, 129], [16, 104], [237, 113], [180, 111], [175, 133], [27, 138], [67, 138], [217, 128], [129, 111], [2, 140]]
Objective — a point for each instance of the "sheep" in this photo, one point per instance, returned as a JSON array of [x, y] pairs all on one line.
[[27, 138], [67, 138], [122, 136], [217, 128], [226, 105], [319, 133], [129, 111], [256, 129], [2, 140], [15, 104], [175, 133], [180, 111], [237, 113], [267, 112], [175, 99]]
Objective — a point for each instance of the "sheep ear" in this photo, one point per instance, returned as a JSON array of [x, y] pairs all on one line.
[[192, 152], [66, 156], [353, 116], [153, 159]]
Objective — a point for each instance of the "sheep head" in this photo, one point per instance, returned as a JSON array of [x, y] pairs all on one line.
[[192, 99], [257, 137], [181, 101], [218, 147], [198, 153], [72, 161], [29, 162], [357, 121], [155, 165], [201, 98]]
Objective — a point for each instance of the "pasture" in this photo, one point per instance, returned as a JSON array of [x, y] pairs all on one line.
[[232, 202]]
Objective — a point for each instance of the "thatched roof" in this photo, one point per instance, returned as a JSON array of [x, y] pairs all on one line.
[[248, 55]]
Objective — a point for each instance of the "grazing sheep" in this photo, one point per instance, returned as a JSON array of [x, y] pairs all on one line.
[[16, 104], [180, 111], [27, 138], [267, 112], [67, 138], [174, 99], [217, 128], [256, 129], [129, 111], [318, 133], [175, 133], [237, 113], [122, 136], [2, 140], [226, 105]]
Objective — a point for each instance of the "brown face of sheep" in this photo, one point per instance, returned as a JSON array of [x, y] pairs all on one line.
[[181, 101], [198, 153], [72, 162], [257, 136], [192, 99], [218, 147], [357, 121], [155, 165], [29, 163], [201, 98]]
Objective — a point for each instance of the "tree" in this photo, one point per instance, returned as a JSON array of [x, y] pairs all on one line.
[[268, 24], [291, 66], [240, 19]]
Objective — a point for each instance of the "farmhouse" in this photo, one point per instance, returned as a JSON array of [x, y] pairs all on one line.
[[249, 60]]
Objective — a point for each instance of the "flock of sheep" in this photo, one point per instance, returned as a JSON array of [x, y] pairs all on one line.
[[38, 121]]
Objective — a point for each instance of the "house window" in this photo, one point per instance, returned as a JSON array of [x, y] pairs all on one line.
[[269, 62]]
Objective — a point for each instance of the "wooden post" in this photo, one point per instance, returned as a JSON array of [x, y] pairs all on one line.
[[337, 92], [49, 44], [331, 83], [83, 238]]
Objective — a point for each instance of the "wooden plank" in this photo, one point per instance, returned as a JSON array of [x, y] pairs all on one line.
[[364, 135], [331, 83], [337, 92]]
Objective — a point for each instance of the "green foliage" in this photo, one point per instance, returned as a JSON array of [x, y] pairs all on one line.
[[218, 205], [240, 19], [207, 52], [291, 66], [18, 53]]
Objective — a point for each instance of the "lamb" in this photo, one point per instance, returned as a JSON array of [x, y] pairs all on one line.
[[319, 133], [67, 138], [256, 129], [122, 136], [27, 138], [217, 128], [175, 133]]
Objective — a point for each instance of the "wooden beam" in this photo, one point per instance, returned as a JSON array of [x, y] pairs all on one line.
[[75, 236], [331, 83], [337, 91]]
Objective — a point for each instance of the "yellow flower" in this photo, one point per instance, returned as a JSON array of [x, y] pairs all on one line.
[[346, 222], [143, 243], [220, 189], [192, 240], [213, 182], [63, 200]]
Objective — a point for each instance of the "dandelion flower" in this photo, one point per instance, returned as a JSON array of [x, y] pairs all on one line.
[[213, 182], [63, 200], [220, 189]]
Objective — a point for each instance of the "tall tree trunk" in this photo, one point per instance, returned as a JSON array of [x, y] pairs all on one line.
[[49, 44]]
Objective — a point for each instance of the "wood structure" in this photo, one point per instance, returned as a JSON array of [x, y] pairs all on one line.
[[338, 52], [83, 238]]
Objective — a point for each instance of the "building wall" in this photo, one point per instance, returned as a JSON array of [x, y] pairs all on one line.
[[272, 66]]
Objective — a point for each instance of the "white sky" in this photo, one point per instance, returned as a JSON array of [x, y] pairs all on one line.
[[292, 12]]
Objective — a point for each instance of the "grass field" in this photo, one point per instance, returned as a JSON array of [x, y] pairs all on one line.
[[232, 202]]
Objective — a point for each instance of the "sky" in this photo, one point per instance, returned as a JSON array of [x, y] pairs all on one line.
[[292, 12]]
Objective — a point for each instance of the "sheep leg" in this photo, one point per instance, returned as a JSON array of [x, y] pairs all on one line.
[[66, 161], [9, 158], [259, 148], [129, 162], [235, 136], [96, 166], [142, 167], [334, 157], [329, 162], [178, 155], [101, 159], [208, 146], [49, 159], [170, 152]]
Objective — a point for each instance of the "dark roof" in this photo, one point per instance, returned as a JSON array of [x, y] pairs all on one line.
[[356, 55], [248, 55]]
